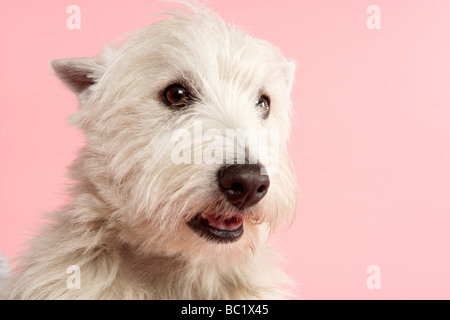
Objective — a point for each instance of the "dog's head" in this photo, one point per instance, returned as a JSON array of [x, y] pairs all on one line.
[[187, 126]]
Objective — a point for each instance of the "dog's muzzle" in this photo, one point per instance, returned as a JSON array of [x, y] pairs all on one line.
[[243, 186]]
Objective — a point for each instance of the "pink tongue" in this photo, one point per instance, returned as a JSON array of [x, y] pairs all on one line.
[[229, 224]]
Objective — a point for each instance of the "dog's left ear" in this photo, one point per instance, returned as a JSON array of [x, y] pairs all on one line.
[[78, 74], [290, 73]]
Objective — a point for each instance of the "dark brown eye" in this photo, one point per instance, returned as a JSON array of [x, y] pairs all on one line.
[[176, 96], [264, 104]]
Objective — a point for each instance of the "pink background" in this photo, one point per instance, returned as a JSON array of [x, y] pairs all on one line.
[[370, 142]]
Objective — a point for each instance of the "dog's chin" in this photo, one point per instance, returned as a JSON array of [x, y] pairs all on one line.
[[217, 229]]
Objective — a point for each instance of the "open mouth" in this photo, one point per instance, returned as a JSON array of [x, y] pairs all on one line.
[[213, 228]]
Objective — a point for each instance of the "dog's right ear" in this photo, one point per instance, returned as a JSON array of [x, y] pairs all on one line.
[[78, 74]]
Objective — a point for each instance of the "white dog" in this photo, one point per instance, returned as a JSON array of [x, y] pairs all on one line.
[[166, 205]]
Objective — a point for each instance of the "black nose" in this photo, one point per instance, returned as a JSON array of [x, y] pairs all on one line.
[[243, 184]]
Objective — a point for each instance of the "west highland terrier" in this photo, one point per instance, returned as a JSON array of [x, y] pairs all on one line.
[[184, 175]]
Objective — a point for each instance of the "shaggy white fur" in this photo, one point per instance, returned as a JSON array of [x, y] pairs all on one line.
[[4, 269], [126, 227]]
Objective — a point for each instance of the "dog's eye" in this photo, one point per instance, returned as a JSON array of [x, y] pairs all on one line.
[[176, 96], [264, 104]]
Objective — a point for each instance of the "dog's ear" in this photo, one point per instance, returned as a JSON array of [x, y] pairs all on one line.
[[77, 74], [290, 73]]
